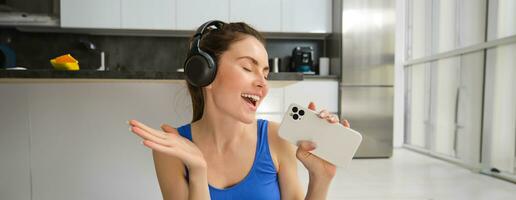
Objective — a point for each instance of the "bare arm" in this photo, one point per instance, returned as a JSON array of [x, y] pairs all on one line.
[[172, 180], [198, 186], [170, 172]]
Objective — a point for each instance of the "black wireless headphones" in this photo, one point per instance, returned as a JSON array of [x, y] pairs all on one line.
[[200, 67]]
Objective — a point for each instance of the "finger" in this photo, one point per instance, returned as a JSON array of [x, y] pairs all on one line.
[[147, 136], [157, 147], [176, 152], [169, 129], [346, 123], [306, 158], [146, 128], [324, 113], [311, 105], [306, 145], [333, 119]]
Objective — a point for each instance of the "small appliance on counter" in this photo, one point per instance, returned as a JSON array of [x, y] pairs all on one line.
[[274, 64], [7, 56], [88, 45], [302, 60]]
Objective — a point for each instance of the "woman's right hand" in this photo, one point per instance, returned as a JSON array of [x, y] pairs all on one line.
[[315, 165], [170, 143]]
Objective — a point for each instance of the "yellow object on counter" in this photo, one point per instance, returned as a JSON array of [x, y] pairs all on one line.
[[65, 62]]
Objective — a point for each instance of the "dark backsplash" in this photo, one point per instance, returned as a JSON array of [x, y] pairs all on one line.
[[134, 53]]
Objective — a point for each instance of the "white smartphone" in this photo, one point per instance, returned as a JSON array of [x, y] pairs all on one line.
[[335, 143]]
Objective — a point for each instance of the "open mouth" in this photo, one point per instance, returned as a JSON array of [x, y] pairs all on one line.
[[251, 99]]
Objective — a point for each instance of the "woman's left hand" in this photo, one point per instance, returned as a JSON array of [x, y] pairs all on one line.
[[317, 167]]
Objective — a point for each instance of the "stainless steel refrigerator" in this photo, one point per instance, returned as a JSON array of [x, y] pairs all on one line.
[[364, 39]]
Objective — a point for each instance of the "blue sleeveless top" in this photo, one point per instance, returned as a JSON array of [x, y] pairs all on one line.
[[261, 181]]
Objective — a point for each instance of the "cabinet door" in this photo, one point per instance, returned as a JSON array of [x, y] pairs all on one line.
[[307, 16], [90, 14], [150, 14], [14, 143], [192, 13], [271, 107], [263, 15], [83, 148]]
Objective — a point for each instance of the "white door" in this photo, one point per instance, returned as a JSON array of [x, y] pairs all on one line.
[[469, 110], [500, 98]]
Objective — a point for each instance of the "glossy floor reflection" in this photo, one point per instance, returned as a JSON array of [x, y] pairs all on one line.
[[412, 176]]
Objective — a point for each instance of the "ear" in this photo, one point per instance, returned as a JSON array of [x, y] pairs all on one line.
[[209, 86]]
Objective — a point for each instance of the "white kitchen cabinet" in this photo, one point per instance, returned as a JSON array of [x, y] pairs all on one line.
[[192, 13], [150, 14], [14, 143], [271, 108], [304, 16], [312, 16], [263, 15], [322, 92], [273, 102], [90, 14], [82, 148]]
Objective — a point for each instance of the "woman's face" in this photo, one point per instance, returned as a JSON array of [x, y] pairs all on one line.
[[240, 84]]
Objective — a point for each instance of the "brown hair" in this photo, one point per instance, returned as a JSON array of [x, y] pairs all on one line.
[[216, 42]]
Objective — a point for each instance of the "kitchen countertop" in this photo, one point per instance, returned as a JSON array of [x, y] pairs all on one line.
[[276, 79]]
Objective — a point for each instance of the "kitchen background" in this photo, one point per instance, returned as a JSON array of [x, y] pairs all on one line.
[[393, 72], [127, 53]]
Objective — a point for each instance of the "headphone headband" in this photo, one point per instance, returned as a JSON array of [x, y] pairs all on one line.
[[218, 24], [196, 43]]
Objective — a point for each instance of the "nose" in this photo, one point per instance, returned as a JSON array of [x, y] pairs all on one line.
[[260, 80]]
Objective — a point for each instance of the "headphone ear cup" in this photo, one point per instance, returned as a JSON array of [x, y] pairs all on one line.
[[200, 70]]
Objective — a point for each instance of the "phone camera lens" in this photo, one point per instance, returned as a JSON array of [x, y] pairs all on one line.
[[295, 116], [301, 112], [294, 109]]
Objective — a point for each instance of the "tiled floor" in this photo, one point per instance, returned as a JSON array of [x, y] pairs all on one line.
[[413, 176]]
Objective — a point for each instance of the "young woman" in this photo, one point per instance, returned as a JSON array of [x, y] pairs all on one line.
[[225, 152]]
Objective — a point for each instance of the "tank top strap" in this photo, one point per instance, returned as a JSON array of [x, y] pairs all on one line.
[[264, 162], [262, 137], [185, 131]]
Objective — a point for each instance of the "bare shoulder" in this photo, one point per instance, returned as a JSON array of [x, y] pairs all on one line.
[[275, 138], [273, 129]]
